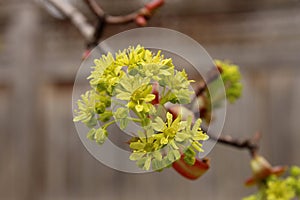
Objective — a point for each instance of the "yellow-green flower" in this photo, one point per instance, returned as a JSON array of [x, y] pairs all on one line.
[[137, 91], [279, 190], [86, 109], [168, 129], [231, 77]]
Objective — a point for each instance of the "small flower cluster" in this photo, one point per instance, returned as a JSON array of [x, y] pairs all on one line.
[[92, 105], [134, 86], [278, 188], [231, 77], [213, 96], [166, 138]]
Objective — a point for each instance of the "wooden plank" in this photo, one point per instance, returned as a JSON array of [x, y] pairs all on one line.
[[55, 148], [284, 105], [293, 122], [22, 36], [6, 146], [5, 78]]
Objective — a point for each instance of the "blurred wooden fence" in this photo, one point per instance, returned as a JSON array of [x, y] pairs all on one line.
[[41, 156]]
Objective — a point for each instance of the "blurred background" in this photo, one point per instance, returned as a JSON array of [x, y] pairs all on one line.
[[41, 156]]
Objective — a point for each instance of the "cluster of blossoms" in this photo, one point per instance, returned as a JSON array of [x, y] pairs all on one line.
[[278, 188], [231, 78], [227, 75], [134, 86]]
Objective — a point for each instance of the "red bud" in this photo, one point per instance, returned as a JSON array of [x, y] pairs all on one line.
[[154, 4], [156, 93], [191, 172], [140, 20], [86, 54], [262, 169]]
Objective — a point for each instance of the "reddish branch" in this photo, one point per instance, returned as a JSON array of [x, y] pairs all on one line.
[[92, 34], [88, 31], [76, 17], [213, 74], [95, 7], [249, 144], [144, 12]]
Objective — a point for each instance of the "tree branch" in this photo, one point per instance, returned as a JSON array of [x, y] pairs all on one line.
[[95, 7], [76, 17], [92, 34], [250, 144], [145, 11], [213, 74]]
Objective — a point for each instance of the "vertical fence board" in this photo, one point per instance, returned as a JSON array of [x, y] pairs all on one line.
[[6, 143]]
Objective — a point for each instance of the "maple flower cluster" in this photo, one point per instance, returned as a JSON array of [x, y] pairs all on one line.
[[279, 188], [134, 86]]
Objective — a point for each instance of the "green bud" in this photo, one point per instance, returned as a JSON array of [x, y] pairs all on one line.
[[100, 107], [295, 171], [104, 117]]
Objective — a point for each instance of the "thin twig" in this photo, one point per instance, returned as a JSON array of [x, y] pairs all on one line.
[[213, 74], [126, 18], [145, 11], [76, 17], [250, 144], [92, 34], [95, 7]]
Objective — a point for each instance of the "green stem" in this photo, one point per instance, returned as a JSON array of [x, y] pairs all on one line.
[[164, 99], [140, 115], [135, 119], [108, 124], [163, 92]]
